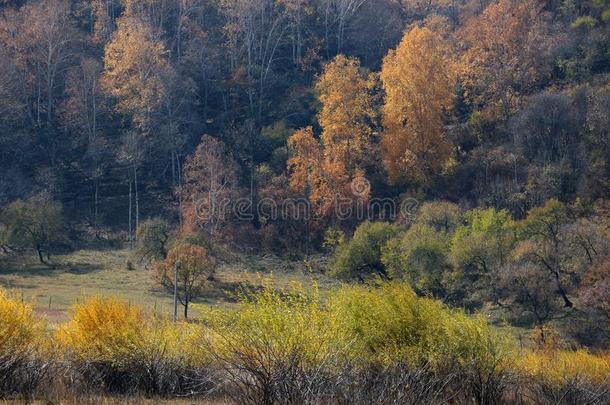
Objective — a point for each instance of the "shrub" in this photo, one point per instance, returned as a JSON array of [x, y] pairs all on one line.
[[291, 348], [104, 330], [559, 367], [584, 21], [18, 328], [22, 364], [566, 376], [419, 257], [395, 384], [362, 344], [113, 346], [479, 248], [361, 256], [333, 237], [390, 325], [276, 347]]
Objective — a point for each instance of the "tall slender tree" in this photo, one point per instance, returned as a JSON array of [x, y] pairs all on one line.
[[419, 82]]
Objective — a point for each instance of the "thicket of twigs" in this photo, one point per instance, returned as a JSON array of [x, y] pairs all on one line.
[[362, 345]]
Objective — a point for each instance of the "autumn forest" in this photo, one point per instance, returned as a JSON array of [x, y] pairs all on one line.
[[305, 201]]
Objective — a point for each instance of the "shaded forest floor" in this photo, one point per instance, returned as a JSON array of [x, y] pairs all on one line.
[[71, 278]]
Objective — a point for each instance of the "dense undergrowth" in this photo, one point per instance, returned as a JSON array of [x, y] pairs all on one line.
[[363, 344]]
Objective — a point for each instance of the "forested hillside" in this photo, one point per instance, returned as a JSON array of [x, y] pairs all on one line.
[[457, 150], [497, 103]]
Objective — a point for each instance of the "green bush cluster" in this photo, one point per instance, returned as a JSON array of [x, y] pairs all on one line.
[[531, 266], [360, 257]]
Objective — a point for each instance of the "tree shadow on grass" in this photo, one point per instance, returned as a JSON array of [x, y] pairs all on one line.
[[17, 285], [47, 270], [217, 292], [227, 291]]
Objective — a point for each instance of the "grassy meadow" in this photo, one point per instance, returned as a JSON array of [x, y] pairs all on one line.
[[72, 278]]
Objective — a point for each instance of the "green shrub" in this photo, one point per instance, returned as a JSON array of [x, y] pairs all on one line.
[[360, 257], [390, 326], [479, 249], [584, 21], [419, 257]]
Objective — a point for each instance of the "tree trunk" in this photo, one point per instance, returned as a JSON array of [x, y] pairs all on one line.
[[180, 216], [40, 256], [566, 301], [135, 182], [173, 168], [130, 233], [96, 204], [186, 306]]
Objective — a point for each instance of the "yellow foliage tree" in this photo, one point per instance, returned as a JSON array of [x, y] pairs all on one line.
[[418, 79], [304, 164], [347, 113], [323, 170], [136, 69]]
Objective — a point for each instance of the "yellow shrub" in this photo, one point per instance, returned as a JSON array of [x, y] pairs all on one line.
[[106, 330], [110, 330], [19, 330], [178, 342], [270, 326], [560, 367], [390, 323]]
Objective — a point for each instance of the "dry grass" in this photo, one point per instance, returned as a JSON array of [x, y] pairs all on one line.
[[76, 276]]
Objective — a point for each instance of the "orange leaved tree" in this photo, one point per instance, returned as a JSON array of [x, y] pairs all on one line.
[[193, 267], [419, 82], [347, 113]]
